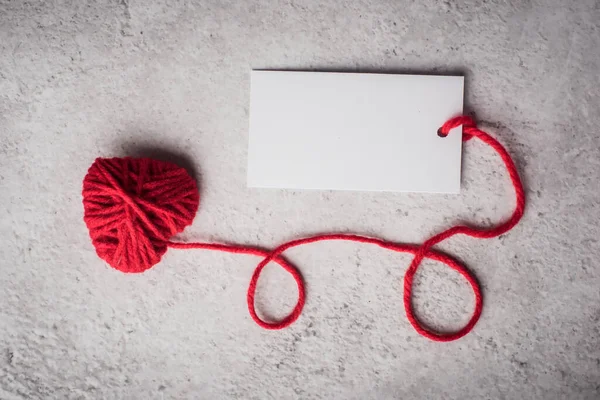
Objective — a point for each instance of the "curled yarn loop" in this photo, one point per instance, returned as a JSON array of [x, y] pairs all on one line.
[[133, 207]]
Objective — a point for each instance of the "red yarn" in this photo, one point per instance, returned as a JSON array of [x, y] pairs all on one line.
[[134, 206]]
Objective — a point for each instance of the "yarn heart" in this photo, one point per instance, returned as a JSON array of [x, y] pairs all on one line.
[[133, 206]]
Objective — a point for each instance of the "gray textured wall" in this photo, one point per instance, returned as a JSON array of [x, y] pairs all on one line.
[[170, 78]]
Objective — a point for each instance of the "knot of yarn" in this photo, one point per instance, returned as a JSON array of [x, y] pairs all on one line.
[[133, 206], [469, 127]]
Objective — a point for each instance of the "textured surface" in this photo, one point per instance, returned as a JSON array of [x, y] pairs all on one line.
[[170, 79]]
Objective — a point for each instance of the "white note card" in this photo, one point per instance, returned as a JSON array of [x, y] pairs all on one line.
[[349, 131]]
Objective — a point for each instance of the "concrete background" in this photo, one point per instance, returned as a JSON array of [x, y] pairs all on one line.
[[170, 78]]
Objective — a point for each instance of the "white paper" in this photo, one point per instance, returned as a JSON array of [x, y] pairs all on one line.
[[345, 131]]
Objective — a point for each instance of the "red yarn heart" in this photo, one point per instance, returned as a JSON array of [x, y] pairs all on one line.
[[133, 206]]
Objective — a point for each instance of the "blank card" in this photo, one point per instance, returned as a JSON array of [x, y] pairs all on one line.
[[346, 131]]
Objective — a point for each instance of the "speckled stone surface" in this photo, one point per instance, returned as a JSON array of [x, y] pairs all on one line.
[[170, 79]]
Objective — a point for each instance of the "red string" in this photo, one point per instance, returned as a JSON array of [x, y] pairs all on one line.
[[240, 249], [132, 207], [420, 252]]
